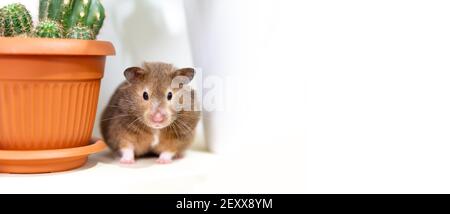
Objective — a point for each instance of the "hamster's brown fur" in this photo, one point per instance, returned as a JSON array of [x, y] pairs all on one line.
[[125, 123]]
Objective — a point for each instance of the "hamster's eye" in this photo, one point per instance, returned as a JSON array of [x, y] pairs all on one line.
[[145, 95], [169, 96]]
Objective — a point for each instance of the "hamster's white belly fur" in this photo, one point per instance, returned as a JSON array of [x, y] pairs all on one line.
[[155, 141]]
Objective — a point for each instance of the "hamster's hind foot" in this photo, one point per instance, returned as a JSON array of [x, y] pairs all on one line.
[[125, 160], [165, 158], [127, 156]]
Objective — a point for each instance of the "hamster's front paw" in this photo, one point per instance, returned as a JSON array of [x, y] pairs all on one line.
[[127, 156], [165, 158]]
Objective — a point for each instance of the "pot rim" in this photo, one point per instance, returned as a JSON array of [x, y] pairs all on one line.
[[45, 46], [95, 146]]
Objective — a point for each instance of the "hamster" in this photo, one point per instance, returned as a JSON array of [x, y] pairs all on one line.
[[153, 111]]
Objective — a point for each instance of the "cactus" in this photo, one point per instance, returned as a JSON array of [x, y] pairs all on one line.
[[72, 13], [49, 29], [80, 32], [55, 10], [15, 20], [66, 11], [95, 16], [79, 13], [44, 7]]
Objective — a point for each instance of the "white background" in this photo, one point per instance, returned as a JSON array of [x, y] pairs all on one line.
[[359, 99], [357, 91]]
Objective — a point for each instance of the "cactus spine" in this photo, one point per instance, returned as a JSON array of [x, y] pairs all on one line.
[[80, 32], [74, 14], [15, 20], [49, 29]]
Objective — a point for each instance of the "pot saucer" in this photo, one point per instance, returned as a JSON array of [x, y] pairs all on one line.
[[42, 161]]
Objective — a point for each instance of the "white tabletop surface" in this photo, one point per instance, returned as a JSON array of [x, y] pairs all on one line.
[[197, 172]]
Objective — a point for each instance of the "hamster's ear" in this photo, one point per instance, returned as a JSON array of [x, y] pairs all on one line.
[[186, 72], [133, 73]]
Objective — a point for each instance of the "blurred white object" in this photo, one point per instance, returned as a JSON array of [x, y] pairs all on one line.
[[234, 44]]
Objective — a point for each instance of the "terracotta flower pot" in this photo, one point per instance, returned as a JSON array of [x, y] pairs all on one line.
[[48, 99]]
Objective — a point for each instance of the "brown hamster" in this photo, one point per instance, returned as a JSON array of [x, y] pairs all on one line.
[[153, 111]]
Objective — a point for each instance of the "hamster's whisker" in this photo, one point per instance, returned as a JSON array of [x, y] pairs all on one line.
[[127, 115], [170, 127], [175, 127], [134, 128], [186, 114], [131, 107], [188, 118], [139, 128], [138, 118], [183, 123], [126, 100], [183, 128]]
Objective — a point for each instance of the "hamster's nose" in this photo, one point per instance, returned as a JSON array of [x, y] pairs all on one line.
[[158, 117]]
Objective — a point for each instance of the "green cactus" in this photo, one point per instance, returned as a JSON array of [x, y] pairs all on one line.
[[15, 20], [49, 29], [44, 7], [79, 13], [96, 16], [72, 13], [80, 32], [66, 11], [55, 10]]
